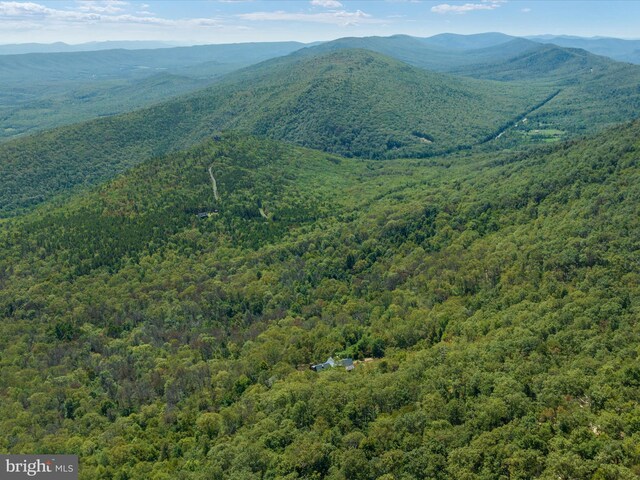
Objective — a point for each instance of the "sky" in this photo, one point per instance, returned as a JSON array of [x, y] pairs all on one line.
[[230, 21]]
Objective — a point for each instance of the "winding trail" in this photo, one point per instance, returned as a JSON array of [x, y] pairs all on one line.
[[214, 184]]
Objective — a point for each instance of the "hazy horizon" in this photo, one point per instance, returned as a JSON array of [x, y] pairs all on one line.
[[171, 43]]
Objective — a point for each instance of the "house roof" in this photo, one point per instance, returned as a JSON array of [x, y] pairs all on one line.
[[346, 362]]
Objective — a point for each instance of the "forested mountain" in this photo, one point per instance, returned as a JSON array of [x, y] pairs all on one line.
[[453, 41], [616, 48], [548, 63], [591, 91], [35, 108], [495, 294], [432, 53], [45, 90], [353, 102]]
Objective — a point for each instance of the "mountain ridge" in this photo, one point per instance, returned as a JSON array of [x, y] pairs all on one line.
[[274, 99], [619, 49]]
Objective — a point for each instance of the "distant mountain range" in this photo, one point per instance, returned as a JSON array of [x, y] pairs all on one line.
[[616, 48], [57, 47], [122, 63], [437, 56]]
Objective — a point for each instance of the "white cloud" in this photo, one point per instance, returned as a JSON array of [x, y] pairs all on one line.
[[526, 10], [326, 3], [30, 10], [144, 10], [445, 8], [93, 13], [340, 17], [19, 9], [101, 6]]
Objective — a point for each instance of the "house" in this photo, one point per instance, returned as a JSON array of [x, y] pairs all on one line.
[[206, 214], [347, 363], [323, 366]]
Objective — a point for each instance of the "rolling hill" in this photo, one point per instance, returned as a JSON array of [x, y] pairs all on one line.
[[66, 88], [493, 296], [44, 68], [45, 90], [352, 102]]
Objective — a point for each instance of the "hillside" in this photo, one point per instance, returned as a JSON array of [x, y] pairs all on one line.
[[497, 295], [615, 48], [351, 102], [25, 111], [46, 90], [543, 63], [359, 103], [594, 92]]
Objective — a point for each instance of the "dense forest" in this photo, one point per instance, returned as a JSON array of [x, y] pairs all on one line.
[[493, 296]]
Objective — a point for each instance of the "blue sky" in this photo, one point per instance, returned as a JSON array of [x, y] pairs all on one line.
[[224, 21]]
